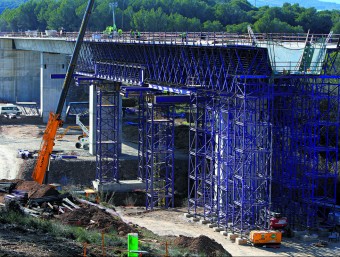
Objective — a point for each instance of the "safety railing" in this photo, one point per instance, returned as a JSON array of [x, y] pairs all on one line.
[[186, 38]]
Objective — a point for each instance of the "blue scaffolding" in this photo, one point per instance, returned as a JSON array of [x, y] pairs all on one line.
[[159, 155], [306, 134], [107, 145], [264, 125]]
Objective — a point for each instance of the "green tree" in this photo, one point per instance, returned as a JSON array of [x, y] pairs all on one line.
[[268, 25], [212, 26], [336, 28], [238, 28]]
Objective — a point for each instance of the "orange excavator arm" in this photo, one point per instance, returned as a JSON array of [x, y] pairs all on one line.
[[55, 121], [46, 148]]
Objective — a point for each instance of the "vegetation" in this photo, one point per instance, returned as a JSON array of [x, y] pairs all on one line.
[[170, 15], [82, 235]]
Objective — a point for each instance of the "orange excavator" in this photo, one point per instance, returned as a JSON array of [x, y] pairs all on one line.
[[55, 121]]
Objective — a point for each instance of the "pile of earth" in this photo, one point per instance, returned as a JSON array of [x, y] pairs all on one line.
[[33, 189], [92, 217], [201, 244], [36, 190]]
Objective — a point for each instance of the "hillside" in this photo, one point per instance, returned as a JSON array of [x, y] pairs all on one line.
[[10, 4]]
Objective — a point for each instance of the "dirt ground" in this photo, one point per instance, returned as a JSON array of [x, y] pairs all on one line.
[[19, 241], [14, 136]]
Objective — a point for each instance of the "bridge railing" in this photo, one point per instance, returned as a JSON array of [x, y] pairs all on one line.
[[187, 38], [208, 38]]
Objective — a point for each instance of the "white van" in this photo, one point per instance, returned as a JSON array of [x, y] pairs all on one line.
[[9, 109]]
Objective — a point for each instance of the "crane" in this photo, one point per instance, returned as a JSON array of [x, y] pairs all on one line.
[[55, 121]]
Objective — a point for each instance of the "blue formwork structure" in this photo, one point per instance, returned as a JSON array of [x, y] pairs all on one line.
[[230, 143], [107, 145], [252, 146], [159, 164], [306, 118], [263, 137], [225, 159], [197, 160]]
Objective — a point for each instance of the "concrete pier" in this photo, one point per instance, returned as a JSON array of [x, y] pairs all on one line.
[[121, 186]]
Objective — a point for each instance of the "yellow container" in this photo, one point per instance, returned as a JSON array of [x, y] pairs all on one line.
[[265, 237]]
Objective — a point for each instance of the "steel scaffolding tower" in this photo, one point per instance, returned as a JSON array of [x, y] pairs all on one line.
[[225, 159], [107, 134], [230, 155], [197, 160], [159, 155], [251, 196], [306, 118]]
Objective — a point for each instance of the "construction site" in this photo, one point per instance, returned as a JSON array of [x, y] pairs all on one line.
[[228, 136]]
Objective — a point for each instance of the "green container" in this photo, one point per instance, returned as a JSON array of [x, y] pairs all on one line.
[[132, 245]]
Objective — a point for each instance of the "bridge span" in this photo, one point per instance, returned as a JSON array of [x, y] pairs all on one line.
[[264, 115]]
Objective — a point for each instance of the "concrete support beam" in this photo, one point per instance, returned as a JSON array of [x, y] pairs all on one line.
[[50, 89]]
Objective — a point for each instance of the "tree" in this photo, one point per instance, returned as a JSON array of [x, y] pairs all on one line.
[[213, 26], [336, 28], [268, 25], [238, 28]]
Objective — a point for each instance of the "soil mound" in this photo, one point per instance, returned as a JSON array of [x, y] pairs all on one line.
[[35, 190], [92, 217], [201, 244]]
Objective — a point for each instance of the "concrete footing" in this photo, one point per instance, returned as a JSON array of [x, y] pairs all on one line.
[[188, 215], [204, 222], [212, 225], [224, 233], [121, 186], [218, 229]]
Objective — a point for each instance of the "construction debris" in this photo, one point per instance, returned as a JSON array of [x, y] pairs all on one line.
[[7, 187], [34, 199], [25, 154]]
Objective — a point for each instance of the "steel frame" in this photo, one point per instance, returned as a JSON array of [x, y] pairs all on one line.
[[306, 153], [159, 155], [107, 149], [259, 141]]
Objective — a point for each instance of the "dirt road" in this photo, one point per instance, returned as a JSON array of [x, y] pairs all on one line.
[[12, 138], [173, 222]]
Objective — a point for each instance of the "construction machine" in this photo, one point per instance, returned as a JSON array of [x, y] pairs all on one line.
[[83, 140], [55, 120]]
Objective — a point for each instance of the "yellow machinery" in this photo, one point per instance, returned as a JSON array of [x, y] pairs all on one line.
[[67, 129], [260, 237]]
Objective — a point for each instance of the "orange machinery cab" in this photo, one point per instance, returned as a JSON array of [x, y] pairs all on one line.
[[265, 237]]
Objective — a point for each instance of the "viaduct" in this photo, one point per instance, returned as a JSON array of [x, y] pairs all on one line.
[[264, 115]]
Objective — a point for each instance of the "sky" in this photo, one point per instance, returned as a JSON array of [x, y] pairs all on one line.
[[331, 1]]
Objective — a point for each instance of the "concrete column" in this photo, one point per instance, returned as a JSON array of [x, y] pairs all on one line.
[[50, 90], [19, 74], [92, 118]]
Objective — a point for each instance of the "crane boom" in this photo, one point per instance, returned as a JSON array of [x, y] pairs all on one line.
[[55, 121]]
